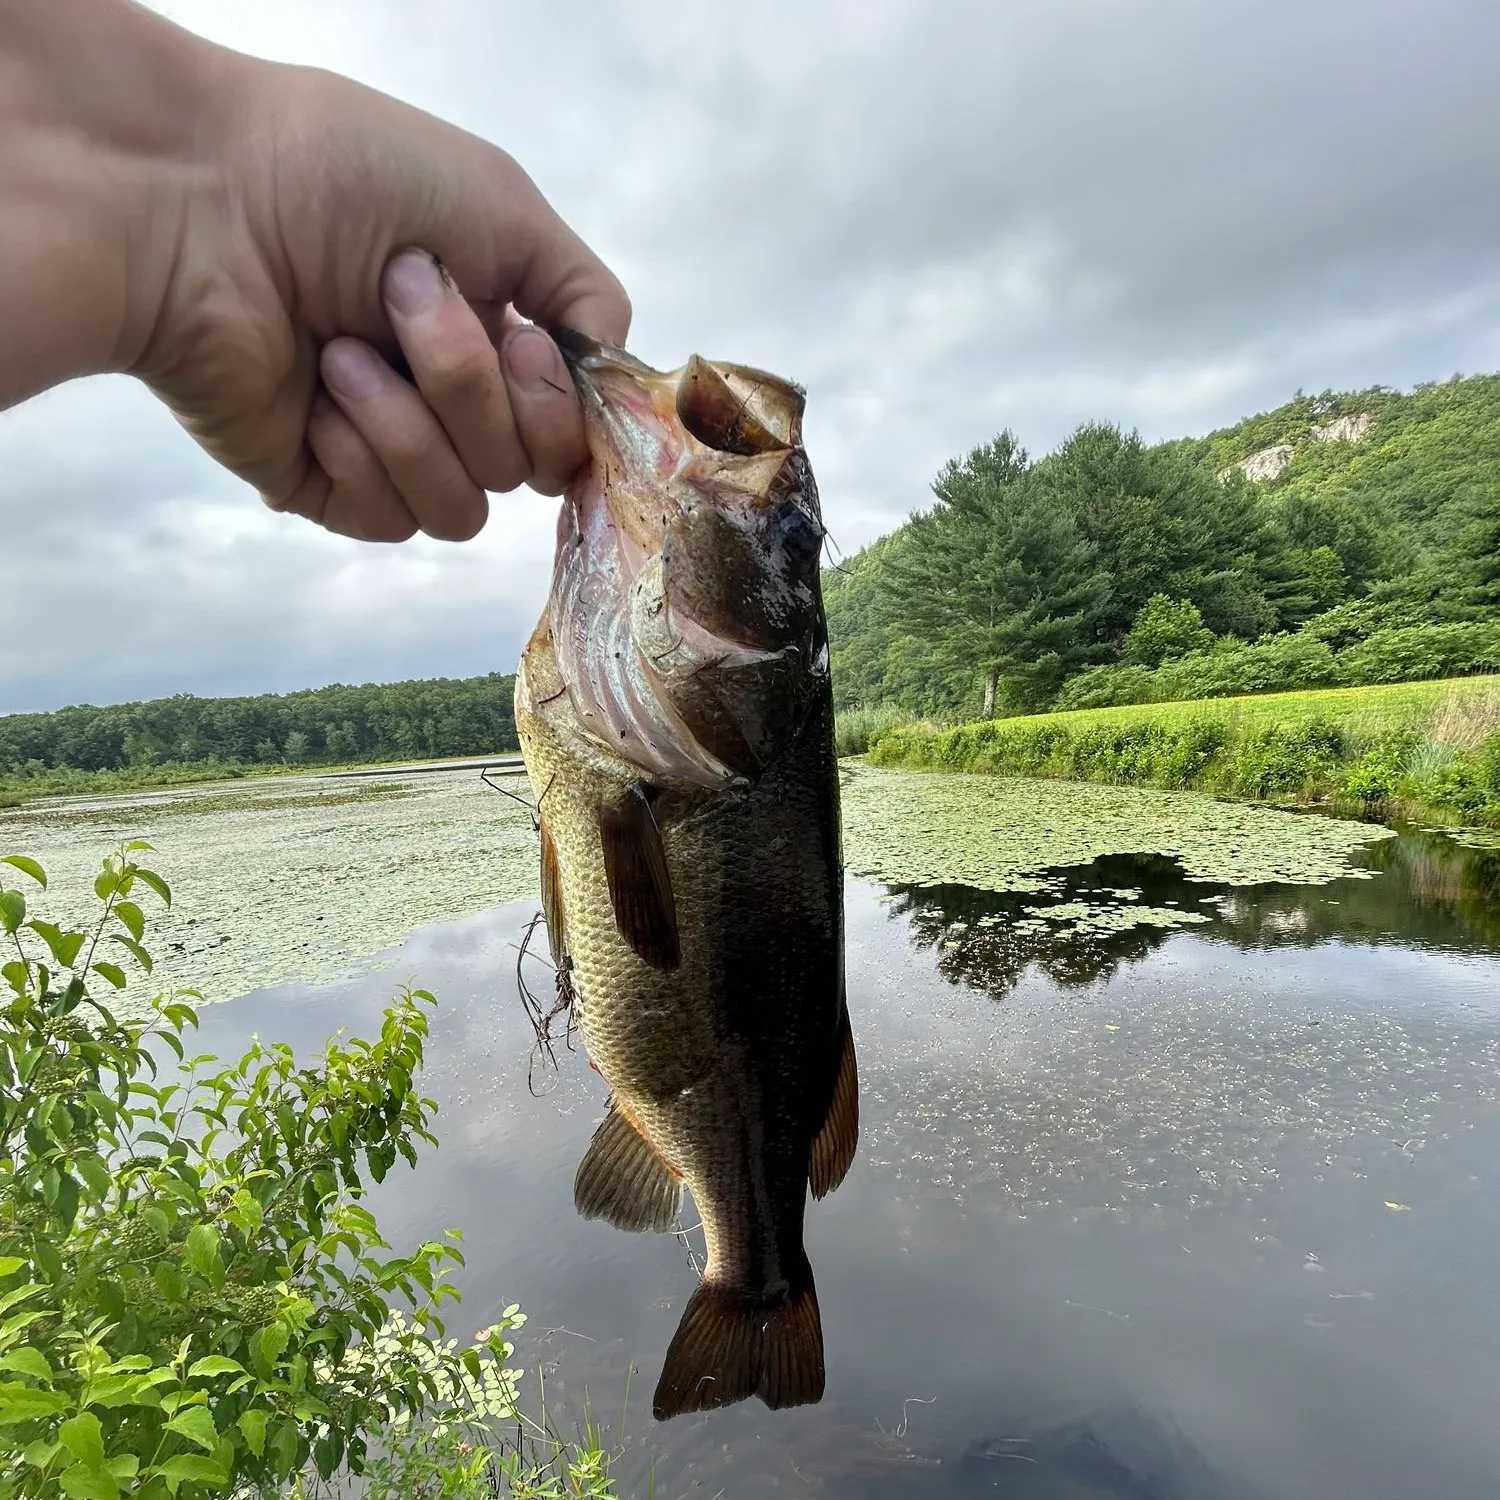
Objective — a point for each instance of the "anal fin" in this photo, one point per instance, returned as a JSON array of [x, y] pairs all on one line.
[[834, 1145], [623, 1180], [640, 885]]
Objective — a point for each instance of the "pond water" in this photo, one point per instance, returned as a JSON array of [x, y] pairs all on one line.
[[1169, 1185]]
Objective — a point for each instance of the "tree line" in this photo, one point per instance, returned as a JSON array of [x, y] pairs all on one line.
[[338, 724], [1107, 559]]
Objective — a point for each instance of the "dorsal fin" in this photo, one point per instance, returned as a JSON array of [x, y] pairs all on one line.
[[640, 885], [833, 1147]]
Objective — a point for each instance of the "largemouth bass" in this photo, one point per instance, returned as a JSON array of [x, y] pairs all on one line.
[[675, 715]]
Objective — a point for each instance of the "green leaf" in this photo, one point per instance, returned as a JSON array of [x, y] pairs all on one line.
[[96, 1174], [191, 1466], [203, 1251], [39, 1454], [267, 1344], [215, 1364], [84, 1482], [83, 1438], [284, 1443], [196, 1425], [67, 1198], [253, 1424], [123, 1467], [128, 1390], [26, 1361], [156, 883], [15, 976], [112, 972], [12, 910], [24, 1403], [26, 867], [47, 1258], [10, 1263], [64, 945], [135, 950], [133, 918], [169, 1281]]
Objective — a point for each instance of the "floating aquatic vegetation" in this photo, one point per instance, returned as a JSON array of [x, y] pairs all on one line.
[[999, 833], [291, 879], [1085, 919]]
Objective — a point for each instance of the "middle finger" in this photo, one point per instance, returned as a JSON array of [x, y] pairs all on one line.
[[454, 363], [407, 438]]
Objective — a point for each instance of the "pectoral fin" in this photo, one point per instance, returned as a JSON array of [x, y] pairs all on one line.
[[552, 898], [623, 1180], [833, 1146], [640, 885]]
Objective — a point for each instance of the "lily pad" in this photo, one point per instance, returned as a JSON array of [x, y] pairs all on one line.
[[1001, 833], [288, 880]]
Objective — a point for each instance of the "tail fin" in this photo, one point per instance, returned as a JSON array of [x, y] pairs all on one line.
[[730, 1346]]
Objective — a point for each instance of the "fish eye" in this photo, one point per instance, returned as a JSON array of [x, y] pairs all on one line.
[[800, 534]]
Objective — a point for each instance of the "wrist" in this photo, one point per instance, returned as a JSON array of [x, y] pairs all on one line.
[[105, 141]]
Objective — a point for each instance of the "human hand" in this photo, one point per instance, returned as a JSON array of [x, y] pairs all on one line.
[[287, 266]]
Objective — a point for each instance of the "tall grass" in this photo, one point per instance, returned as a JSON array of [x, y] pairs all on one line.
[[1410, 748], [857, 729]]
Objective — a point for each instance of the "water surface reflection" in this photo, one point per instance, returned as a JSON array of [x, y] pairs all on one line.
[[1139, 1212]]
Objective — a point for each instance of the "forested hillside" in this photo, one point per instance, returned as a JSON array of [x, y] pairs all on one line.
[[379, 721], [1366, 547]]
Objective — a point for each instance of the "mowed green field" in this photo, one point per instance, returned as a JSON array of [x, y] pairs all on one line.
[[1400, 749], [1367, 711]]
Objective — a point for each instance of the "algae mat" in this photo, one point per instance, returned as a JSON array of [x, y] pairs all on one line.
[[286, 879], [1001, 833]]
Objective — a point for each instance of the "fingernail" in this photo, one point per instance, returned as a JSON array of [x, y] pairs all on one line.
[[532, 360], [352, 370], [413, 283]]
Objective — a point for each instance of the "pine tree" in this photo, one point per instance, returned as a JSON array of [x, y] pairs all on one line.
[[1476, 548], [998, 578]]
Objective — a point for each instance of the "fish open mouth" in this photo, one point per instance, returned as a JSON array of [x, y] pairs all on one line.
[[684, 609]]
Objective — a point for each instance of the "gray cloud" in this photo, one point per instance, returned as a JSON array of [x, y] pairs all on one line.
[[942, 219]]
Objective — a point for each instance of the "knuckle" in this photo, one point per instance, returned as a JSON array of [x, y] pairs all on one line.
[[413, 445], [624, 311]]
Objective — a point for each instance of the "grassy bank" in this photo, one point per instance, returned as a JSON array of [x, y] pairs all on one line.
[[1418, 749]]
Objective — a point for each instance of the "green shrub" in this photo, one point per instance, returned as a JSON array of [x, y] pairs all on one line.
[[192, 1296], [1422, 651], [1164, 628], [1287, 760], [1489, 768], [1373, 779], [1277, 663], [1104, 687]]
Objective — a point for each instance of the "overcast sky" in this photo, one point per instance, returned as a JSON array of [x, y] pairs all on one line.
[[943, 219]]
